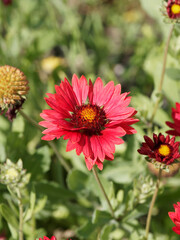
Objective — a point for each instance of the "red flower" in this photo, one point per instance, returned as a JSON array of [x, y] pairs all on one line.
[[91, 117], [7, 2], [173, 9], [163, 149], [175, 217], [46, 238], [176, 124]]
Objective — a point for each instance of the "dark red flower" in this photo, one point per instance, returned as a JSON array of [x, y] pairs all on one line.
[[93, 118], [7, 2], [176, 124], [175, 217], [46, 238], [173, 9], [163, 149]]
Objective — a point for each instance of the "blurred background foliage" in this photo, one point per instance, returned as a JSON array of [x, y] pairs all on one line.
[[117, 40]]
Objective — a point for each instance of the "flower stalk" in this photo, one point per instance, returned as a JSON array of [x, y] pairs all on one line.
[[20, 214], [162, 74], [51, 144], [103, 190], [148, 222]]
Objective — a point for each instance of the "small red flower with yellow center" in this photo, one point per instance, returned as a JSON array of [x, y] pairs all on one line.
[[93, 118], [175, 217], [176, 125], [13, 88], [173, 9], [46, 238], [7, 2], [163, 149]]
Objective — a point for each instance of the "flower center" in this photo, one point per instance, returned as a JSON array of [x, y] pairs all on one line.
[[88, 114], [175, 8], [164, 150], [91, 118]]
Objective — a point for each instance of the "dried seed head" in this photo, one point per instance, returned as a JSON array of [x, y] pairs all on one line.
[[13, 89]]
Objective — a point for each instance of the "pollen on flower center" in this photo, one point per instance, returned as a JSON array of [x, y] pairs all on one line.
[[164, 150], [91, 118], [88, 114], [175, 8]]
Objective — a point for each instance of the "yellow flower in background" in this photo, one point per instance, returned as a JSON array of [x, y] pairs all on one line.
[[50, 63]]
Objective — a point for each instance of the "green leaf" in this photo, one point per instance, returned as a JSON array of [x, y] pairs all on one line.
[[153, 64], [54, 191], [151, 7], [77, 180], [14, 232], [101, 217], [7, 214], [136, 213], [39, 163], [173, 73], [108, 186], [2, 153], [30, 210], [86, 230], [40, 204], [106, 231]]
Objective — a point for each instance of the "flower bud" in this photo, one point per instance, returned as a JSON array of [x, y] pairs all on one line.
[[13, 174]]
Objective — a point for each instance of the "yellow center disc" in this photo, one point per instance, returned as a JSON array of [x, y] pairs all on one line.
[[88, 114], [164, 150], [175, 8]]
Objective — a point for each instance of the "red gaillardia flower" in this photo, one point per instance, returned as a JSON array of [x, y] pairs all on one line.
[[13, 88], [163, 149], [176, 124], [175, 217], [46, 238], [7, 2], [93, 118], [173, 9]]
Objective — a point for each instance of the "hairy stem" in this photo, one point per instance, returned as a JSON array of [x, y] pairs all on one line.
[[162, 75], [148, 222], [103, 190], [20, 215], [51, 144]]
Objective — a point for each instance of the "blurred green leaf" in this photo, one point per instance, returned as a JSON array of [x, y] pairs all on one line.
[[53, 191], [38, 163], [101, 217], [7, 214], [76, 180], [30, 210], [86, 230], [136, 213], [106, 231], [40, 204], [173, 73]]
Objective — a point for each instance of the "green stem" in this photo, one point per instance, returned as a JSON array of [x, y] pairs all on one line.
[[103, 190], [51, 144], [162, 75], [148, 222], [20, 215]]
